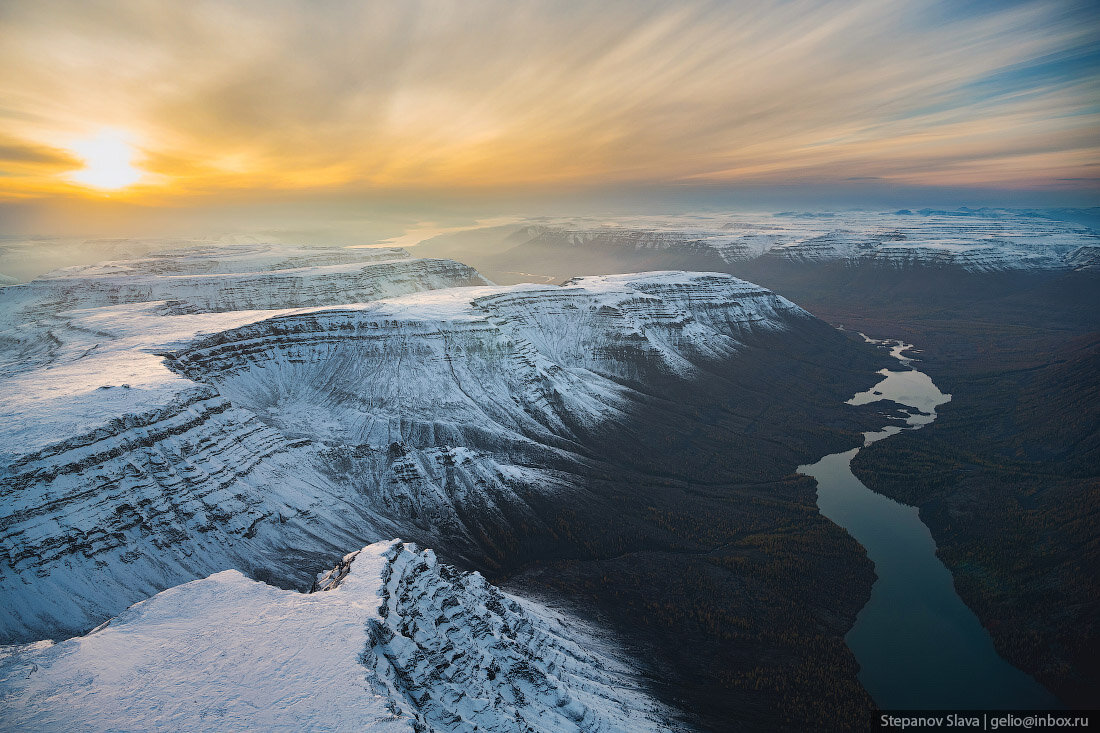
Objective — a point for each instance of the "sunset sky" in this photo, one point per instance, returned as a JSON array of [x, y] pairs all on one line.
[[166, 102]]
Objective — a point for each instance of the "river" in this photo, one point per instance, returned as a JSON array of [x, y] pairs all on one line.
[[918, 645]]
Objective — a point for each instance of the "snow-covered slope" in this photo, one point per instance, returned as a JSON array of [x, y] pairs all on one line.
[[391, 640], [152, 447], [974, 241]]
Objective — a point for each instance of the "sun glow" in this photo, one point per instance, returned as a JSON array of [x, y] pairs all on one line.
[[107, 100], [108, 161]]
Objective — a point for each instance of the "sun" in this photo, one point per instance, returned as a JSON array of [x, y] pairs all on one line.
[[108, 161]]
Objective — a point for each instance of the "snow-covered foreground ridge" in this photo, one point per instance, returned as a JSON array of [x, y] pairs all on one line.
[[146, 444], [391, 640]]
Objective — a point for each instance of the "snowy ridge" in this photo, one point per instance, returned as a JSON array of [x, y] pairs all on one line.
[[402, 642], [153, 448], [454, 652]]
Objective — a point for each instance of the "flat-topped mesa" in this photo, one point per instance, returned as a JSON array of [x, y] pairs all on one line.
[[532, 361], [396, 640]]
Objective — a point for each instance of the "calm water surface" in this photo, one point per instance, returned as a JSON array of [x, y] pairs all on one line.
[[917, 643]]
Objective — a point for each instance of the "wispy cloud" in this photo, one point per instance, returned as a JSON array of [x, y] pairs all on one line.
[[436, 94]]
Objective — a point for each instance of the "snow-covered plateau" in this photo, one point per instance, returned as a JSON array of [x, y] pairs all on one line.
[[147, 443], [389, 640]]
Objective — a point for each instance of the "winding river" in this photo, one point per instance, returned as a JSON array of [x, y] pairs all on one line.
[[918, 645]]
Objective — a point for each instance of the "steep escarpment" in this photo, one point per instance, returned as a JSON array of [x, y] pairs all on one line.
[[394, 639]]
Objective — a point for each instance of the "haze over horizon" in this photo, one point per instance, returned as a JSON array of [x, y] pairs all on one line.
[[132, 115]]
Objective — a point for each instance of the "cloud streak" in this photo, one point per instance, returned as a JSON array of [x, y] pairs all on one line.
[[234, 96]]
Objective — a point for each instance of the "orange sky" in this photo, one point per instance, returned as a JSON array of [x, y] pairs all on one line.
[[160, 102]]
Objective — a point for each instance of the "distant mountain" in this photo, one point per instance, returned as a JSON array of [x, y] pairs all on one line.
[[968, 240]]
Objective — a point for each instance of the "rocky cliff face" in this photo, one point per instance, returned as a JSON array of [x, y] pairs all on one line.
[[101, 519]]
